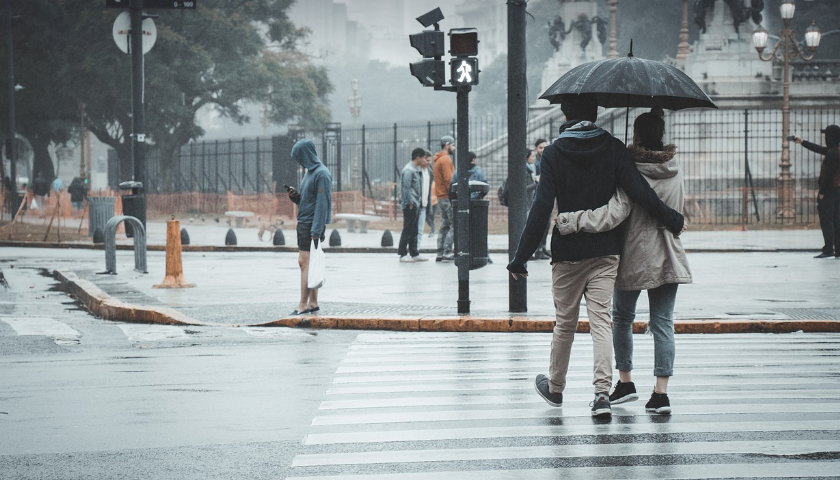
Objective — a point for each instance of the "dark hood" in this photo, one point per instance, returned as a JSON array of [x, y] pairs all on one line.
[[832, 136], [304, 154], [583, 141]]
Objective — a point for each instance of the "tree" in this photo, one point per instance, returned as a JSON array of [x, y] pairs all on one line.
[[222, 55]]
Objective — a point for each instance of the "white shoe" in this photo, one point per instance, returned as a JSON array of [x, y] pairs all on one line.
[[418, 258], [407, 259]]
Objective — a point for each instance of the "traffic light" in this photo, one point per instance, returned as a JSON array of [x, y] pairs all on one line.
[[430, 71], [463, 71], [463, 46], [463, 42]]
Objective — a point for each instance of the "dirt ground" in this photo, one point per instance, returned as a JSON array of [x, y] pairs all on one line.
[[37, 231]]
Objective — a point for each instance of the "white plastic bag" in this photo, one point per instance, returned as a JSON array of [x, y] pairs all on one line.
[[317, 266]]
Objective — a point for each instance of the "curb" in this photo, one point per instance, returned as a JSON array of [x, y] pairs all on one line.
[[294, 249], [99, 303], [104, 306], [525, 324]]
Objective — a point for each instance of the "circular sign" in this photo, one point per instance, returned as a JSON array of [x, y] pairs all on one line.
[[122, 28]]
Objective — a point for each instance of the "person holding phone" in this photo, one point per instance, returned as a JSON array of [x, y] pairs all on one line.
[[314, 212]]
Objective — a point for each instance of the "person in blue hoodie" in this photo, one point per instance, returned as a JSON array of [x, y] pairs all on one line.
[[314, 212]]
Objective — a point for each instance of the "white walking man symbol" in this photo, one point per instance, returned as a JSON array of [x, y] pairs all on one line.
[[464, 70]]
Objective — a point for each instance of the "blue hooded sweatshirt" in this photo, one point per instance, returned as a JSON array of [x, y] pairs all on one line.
[[315, 204]]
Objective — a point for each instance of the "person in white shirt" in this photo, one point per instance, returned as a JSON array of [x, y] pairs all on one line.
[[425, 194]]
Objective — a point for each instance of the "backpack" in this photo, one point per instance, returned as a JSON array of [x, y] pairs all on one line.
[[503, 193], [530, 186]]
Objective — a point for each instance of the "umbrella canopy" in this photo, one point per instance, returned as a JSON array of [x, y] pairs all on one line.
[[630, 82]]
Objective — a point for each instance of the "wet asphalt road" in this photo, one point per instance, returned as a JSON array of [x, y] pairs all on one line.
[[85, 398]]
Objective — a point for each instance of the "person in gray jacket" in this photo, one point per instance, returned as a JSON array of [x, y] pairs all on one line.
[[652, 259], [411, 187], [314, 213]]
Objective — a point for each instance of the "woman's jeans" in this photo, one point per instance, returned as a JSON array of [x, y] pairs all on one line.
[[661, 324]]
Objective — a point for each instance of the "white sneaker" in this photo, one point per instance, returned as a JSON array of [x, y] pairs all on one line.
[[418, 258], [407, 259]]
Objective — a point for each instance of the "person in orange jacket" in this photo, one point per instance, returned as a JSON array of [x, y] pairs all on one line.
[[443, 171]]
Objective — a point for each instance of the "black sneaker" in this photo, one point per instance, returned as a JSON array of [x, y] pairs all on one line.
[[601, 405], [824, 255], [445, 258], [658, 403], [553, 399], [624, 392]]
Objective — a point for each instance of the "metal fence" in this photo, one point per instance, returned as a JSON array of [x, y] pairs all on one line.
[[729, 159]]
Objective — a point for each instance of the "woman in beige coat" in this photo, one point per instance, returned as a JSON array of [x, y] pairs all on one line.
[[653, 259]]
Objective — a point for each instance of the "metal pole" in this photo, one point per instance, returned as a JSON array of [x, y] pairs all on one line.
[[462, 214], [138, 129], [10, 135], [787, 211], [396, 176], [517, 139], [683, 48], [613, 36]]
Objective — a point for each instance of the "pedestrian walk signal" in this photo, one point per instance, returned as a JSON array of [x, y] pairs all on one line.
[[463, 71]]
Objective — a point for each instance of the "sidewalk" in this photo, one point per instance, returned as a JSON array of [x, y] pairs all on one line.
[[741, 283]]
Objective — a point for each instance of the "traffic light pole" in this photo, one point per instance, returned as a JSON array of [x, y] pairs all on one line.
[[462, 215], [10, 134], [517, 133]]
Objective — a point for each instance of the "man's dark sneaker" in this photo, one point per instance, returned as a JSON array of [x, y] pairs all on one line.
[[601, 405], [553, 399], [444, 258], [824, 255], [658, 403], [624, 392]]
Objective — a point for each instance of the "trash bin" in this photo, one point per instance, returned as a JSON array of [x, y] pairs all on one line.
[[101, 209], [133, 204], [479, 209]]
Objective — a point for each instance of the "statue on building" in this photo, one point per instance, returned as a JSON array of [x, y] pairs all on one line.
[[739, 9], [583, 26]]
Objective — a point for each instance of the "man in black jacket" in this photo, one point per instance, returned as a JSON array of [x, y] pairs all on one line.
[[828, 198], [581, 170]]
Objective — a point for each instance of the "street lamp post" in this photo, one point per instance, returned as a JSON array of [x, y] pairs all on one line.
[[787, 49]]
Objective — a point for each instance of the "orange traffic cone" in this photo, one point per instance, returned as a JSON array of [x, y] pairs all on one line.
[[174, 271]]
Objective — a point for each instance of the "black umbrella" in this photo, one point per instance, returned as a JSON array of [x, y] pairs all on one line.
[[630, 82]]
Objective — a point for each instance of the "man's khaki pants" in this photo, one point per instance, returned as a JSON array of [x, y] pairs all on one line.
[[594, 279]]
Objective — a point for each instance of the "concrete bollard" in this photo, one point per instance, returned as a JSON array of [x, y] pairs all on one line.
[[174, 277], [335, 239], [230, 238], [387, 239], [279, 239], [185, 236]]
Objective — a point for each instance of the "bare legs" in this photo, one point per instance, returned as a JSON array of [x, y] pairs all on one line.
[[308, 296]]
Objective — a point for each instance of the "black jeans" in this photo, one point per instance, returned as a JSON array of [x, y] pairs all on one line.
[[828, 208], [408, 237]]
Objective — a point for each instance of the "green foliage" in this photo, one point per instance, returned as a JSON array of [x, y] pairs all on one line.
[[223, 55]]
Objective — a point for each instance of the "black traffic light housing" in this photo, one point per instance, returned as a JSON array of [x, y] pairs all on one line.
[[463, 42], [429, 72], [428, 42]]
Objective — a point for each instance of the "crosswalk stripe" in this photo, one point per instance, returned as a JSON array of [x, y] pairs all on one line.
[[663, 472], [137, 333], [438, 386], [60, 332], [567, 411], [481, 374], [527, 396], [771, 447], [384, 436]]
